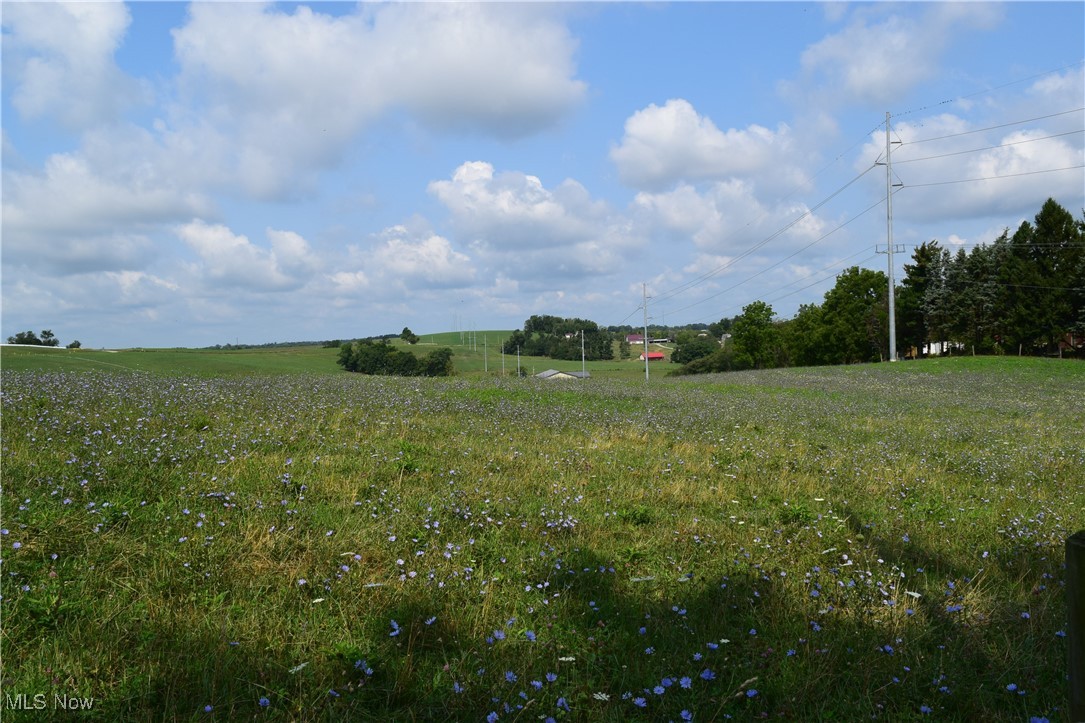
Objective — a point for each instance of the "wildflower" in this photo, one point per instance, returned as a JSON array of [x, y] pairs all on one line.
[[659, 690], [888, 649], [561, 703], [510, 676], [551, 677], [707, 674], [395, 629], [264, 702], [208, 708], [751, 693], [685, 682], [649, 650], [1025, 616], [753, 631], [492, 717], [601, 696], [530, 635], [640, 702], [499, 635], [456, 687], [686, 715], [925, 709], [536, 684], [430, 621], [1011, 687]]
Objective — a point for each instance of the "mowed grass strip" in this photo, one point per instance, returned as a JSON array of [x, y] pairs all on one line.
[[879, 541]]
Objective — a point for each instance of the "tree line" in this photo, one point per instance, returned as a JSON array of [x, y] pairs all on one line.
[[558, 338], [47, 338], [1024, 293], [381, 358]]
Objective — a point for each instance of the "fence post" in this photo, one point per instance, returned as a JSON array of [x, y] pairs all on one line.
[[1075, 608]]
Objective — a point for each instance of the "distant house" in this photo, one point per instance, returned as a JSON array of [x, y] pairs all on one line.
[[634, 338], [653, 356], [555, 374]]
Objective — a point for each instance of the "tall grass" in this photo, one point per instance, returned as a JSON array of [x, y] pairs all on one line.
[[845, 543]]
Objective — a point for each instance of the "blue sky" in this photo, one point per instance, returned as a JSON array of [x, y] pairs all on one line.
[[196, 174]]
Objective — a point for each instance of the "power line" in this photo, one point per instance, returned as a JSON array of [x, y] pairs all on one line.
[[988, 148], [991, 128], [671, 293], [994, 178], [989, 90], [781, 261]]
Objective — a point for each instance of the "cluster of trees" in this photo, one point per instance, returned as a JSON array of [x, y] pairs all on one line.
[[47, 338], [558, 338], [381, 358], [1023, 293]]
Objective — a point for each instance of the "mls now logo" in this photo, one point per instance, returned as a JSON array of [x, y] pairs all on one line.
[[39, 701]]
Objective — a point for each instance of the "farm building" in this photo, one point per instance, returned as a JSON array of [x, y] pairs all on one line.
[[653, 356], [555, 374]]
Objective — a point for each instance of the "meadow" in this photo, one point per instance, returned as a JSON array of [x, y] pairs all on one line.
[[256, 542]]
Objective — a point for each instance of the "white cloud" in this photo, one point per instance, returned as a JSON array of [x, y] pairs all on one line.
[[528, 232], [71, 219], [666, 144], [430, 261], [60, 56], [727, 218], [292, 91], [515, 210], [876, 60], [230, 260], [990, 172]]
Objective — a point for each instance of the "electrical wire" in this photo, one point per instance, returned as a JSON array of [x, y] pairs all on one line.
[[991, 128], [988, 148], [681, 288], [781, 261], [994, 178], [989, 90]]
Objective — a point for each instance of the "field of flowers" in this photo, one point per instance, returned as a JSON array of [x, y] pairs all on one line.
[[824, 544]]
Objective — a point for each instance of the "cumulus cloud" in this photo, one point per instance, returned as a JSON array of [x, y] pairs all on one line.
[[727, 218], [514, 209], [228, 258], [293, 90], [60, 57], [528, 231], [669, 143], [877, 59], [71, 219], [991, 170], [428, 260]]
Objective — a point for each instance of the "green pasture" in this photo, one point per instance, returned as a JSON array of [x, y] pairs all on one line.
[[478, 356], [256, 534]]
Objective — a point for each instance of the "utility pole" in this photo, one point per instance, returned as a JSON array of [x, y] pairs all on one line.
[[517, 361], [890, 248], [644, 287], [583, 364], [485, 355]]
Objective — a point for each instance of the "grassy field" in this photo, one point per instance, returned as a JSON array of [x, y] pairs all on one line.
[[197, 535], [478, 356]]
